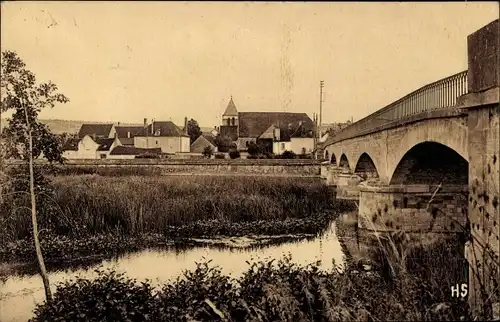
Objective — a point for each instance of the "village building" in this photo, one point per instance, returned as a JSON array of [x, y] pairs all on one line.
[[97, 130], [89, 147], [202, 142], [126, 134], [164, 135], [296, 130]]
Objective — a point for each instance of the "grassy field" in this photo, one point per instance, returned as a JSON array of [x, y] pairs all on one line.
[[86, 208]]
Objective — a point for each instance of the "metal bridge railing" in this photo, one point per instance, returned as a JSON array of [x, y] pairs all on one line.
[[440, 94]]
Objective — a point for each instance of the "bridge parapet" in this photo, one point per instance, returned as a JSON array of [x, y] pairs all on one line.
[[441, 94]]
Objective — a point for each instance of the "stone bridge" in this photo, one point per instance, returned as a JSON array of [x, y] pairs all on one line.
[[430, 160]]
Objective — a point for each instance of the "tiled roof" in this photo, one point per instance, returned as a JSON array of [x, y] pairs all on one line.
[[231, 109], [166, 128], [104, 144], [253, 124], [126, 141], [99, 130], [200, 143], [130, 150], [121, 131], [209, 137], [302, 131]]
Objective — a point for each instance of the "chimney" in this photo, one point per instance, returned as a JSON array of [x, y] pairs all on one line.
[[185, 125], [118, 123], [128, 135], [152, 126]]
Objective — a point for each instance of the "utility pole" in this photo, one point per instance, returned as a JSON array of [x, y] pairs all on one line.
[[321, 84]]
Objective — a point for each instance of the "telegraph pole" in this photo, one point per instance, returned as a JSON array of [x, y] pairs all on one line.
[[321, 84]]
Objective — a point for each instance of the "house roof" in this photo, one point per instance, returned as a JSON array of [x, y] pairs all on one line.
[[231, 109], [126, 141], [253, 124], [201, 143], [209, 137], [104, 143], [100, 130], [130, 150], [121, 131], [165, 128], [302, 131], [269, 133]]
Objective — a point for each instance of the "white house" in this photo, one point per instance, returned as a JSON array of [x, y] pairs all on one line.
[[294, 137], [90, 148], [164, 135]]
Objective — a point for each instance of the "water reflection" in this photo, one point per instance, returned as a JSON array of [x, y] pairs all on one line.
[[20, 292]]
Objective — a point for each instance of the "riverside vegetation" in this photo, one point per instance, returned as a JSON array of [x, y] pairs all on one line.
[[85, 215], [89, 214]]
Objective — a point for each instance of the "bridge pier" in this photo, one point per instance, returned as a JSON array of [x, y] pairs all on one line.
[[413, 208], [343, 182]]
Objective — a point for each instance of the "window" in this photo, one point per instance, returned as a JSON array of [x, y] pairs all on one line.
[[157, 133], [103, 156], [228, 122], [156, 142], [282, 146], [246, 143]]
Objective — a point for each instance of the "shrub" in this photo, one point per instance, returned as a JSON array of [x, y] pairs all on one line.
[[267, 291], [208, 152], [288, 155], [234, 154], [254, 149], [110, 297], [220, 156]]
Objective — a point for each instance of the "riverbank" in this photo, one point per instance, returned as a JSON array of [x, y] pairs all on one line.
[[266, 291], [64, 248], [81, 216]]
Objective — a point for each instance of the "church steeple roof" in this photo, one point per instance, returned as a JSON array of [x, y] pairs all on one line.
[[231, 109]]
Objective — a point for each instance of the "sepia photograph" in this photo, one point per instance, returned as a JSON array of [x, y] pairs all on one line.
[[249, 161]]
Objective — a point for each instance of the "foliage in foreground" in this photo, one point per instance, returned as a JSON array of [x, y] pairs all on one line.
[[265, 292]]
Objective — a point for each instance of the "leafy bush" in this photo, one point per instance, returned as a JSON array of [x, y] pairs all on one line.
[[220, 156], [110, 297], [288, 155], [208, 152], [234, 154], [267, 291]]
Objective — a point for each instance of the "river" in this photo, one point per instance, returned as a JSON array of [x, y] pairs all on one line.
[[19, 293]]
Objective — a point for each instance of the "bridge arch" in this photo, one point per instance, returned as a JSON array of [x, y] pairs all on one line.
[[333, 159], [365, 167], [430, 162], [344, 162]]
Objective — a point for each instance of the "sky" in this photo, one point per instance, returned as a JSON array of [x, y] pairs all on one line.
[[126, 61]]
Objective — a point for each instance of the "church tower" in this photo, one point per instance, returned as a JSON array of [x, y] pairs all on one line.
[[229, 126], [230, 116]]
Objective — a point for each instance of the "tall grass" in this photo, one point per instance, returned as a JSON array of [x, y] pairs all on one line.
[[80, 206]]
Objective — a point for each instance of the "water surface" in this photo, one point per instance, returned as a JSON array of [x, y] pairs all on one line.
[[19, 293]]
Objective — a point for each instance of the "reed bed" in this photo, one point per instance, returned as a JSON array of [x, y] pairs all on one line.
[[75, 208]]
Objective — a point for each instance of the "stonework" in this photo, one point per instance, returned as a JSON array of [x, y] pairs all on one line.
[[413, 209], [388, 147]]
